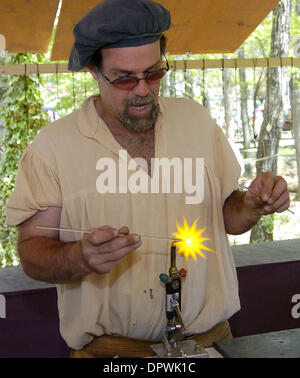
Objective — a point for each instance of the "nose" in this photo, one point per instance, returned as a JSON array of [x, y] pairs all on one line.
[[142, 88]]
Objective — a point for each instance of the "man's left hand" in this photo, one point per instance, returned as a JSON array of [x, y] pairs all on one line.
[[268, 194]]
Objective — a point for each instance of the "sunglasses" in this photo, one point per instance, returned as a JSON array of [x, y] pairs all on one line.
[[130, 82]]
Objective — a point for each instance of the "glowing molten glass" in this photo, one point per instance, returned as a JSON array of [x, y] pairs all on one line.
[[190, 240]]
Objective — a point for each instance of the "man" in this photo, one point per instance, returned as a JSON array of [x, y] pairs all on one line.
[[110, 299]]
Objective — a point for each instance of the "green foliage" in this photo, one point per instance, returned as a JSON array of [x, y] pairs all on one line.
[[21, 115], [66, 92]]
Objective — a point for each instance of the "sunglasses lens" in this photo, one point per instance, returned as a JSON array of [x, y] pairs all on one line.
[[155, 75], [126, 83]]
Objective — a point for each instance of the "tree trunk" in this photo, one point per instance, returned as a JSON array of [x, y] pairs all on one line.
[[244, 111], [271, 127], [228, 108]]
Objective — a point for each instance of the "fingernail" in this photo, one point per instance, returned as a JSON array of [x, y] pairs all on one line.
[[116, 232], [270, 201], [136, 238], [267, 208]]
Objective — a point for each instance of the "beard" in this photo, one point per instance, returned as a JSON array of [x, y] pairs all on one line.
[[144, 122]]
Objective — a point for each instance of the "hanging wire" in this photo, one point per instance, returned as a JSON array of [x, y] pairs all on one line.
[[162, 87], [292, 92], [73, 85], [57, 81], [185, 78], [85, 94], [267, 85], [26, 102], [173, 80], [39, 94], [222, 102], [280, 74], [236, 94], [169, 82], [283, 88], [186, 89], [281, 78], [254, 135], [203, 85], [254, 94]]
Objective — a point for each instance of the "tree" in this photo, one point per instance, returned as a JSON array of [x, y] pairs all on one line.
[[22, 115], [271, 127]]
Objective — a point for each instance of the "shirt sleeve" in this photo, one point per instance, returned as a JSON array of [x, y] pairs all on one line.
[[228, 167], [36, 188]]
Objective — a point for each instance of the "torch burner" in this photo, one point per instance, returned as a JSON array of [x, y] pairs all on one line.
[[174, 342]]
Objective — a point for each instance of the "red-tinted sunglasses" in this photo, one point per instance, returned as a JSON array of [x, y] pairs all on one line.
[[130, 82]]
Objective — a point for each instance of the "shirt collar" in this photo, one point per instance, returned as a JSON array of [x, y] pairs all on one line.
[[93, 126]]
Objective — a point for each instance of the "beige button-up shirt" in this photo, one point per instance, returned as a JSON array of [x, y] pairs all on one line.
[[60, 169]]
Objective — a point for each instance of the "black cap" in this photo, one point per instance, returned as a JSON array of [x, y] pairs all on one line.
[[117, 23]]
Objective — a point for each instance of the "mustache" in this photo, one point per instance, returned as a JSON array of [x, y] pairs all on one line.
[[137, 100]]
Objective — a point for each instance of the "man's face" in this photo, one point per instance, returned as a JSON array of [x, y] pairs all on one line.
[[137, 109]]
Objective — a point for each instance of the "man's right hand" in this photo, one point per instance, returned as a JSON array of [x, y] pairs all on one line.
[[45, 258], [103, 248]]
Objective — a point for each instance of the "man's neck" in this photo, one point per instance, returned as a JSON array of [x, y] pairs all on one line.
[[137, 144], [116, 127]]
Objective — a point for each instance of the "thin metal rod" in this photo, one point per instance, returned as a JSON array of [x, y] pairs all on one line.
[[89, 232], [63, 229]]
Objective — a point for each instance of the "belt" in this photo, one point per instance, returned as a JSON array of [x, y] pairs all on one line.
[[111, 346]]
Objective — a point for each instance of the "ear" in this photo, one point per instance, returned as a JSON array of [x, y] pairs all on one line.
[[93, 71]]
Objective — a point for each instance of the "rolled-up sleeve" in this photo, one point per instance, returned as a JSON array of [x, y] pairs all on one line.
[[36, 188]]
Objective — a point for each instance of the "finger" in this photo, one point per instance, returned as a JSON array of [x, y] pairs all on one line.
[[120, 253], [118, 243], [103, 263], [282, 203], [279, 189], [268, 180], [254, 193], [124, 230], [101, 235], [282, 208]]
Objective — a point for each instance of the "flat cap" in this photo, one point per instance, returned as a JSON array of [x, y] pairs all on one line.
[[117, 23]]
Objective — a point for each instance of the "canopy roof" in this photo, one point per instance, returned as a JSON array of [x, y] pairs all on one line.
[[198, 26]]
